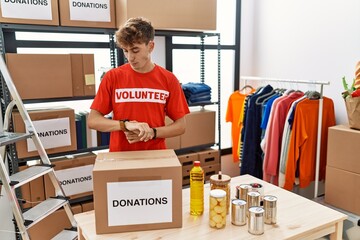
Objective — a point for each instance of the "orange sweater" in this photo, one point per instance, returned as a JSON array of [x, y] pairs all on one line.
[[302, 146]]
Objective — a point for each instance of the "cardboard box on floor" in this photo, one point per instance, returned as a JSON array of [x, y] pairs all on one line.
[[341, 189], [30, 12], [74, 175], [343, 142], [191, 15], [52, 224], [343, 169], [56, 128], [83, 14], [144, 186]]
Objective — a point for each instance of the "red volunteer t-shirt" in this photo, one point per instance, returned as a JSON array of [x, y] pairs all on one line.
[[144, 97]]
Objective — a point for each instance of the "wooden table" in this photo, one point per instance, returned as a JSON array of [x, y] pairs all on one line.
[[298, 218]]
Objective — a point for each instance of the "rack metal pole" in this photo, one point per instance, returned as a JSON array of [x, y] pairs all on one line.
[[320, 114]]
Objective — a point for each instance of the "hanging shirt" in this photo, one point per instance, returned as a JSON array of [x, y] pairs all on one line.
[[233, 113], [272, 153], [252, 153], [285, 143], [303, 141]]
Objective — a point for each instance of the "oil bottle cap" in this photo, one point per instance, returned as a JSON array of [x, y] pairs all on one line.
[[196, 163]]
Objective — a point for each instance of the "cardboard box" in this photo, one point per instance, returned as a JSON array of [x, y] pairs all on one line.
[[30, 12], [142, 186], [170, 14], [39, 76], [97, 14], [25, 191], [56, 128], [74, 175], [342, 145], [341, 189], [211, 170], [87, 206], [174, 142], [200, 129], [37, 191], [187, 161], [52, 224], [209, 157], [83, 74]]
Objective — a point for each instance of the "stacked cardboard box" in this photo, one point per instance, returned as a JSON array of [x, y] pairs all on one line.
[[55, 127], [343, 169], [30, 12], [74, 174], [42, 76], [209, 161], [187, 15], [32, 193], [95, 14]]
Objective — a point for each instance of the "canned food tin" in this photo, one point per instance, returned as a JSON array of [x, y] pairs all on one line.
[[243, 191], [256, 220], [238, 212], [257, 187], [270, 208], [217, 214], [253, 199]]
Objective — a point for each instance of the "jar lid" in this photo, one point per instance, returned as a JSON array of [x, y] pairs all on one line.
[[220, 179], [217, 193]]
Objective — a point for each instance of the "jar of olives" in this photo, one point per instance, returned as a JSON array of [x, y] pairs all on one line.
[[222, 181], [217, 208]]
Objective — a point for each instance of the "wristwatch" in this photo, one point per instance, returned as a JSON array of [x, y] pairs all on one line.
[[122, 125]]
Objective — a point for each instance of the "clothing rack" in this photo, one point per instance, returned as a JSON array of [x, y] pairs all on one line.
[[320, 114]]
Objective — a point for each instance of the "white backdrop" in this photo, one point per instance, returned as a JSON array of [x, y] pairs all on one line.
[[310, 39]]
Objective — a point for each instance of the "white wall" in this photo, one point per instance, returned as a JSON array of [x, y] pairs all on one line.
[[309, 39]]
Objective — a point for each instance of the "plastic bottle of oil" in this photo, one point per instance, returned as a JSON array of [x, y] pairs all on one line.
[[196, 189]]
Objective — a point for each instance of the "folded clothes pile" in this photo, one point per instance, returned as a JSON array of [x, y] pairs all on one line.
[[197, 92]]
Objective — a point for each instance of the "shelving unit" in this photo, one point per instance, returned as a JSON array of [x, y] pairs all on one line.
[[10, 44], [202, 47]]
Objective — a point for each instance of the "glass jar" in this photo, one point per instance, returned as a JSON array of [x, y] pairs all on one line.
[[217, 208], [222, 181]]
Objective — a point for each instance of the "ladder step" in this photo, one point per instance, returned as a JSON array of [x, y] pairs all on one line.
[[66, 235], [10, 137], [42, 210], [20, 178]]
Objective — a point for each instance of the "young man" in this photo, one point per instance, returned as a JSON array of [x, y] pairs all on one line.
[[139, 94]]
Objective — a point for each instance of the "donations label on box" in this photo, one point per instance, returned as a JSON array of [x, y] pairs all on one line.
[[39, 10], [139, 202], [90, 10], [52, 133], [76, 180]]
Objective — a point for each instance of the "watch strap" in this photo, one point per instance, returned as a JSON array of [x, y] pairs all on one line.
[[122, 124]]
